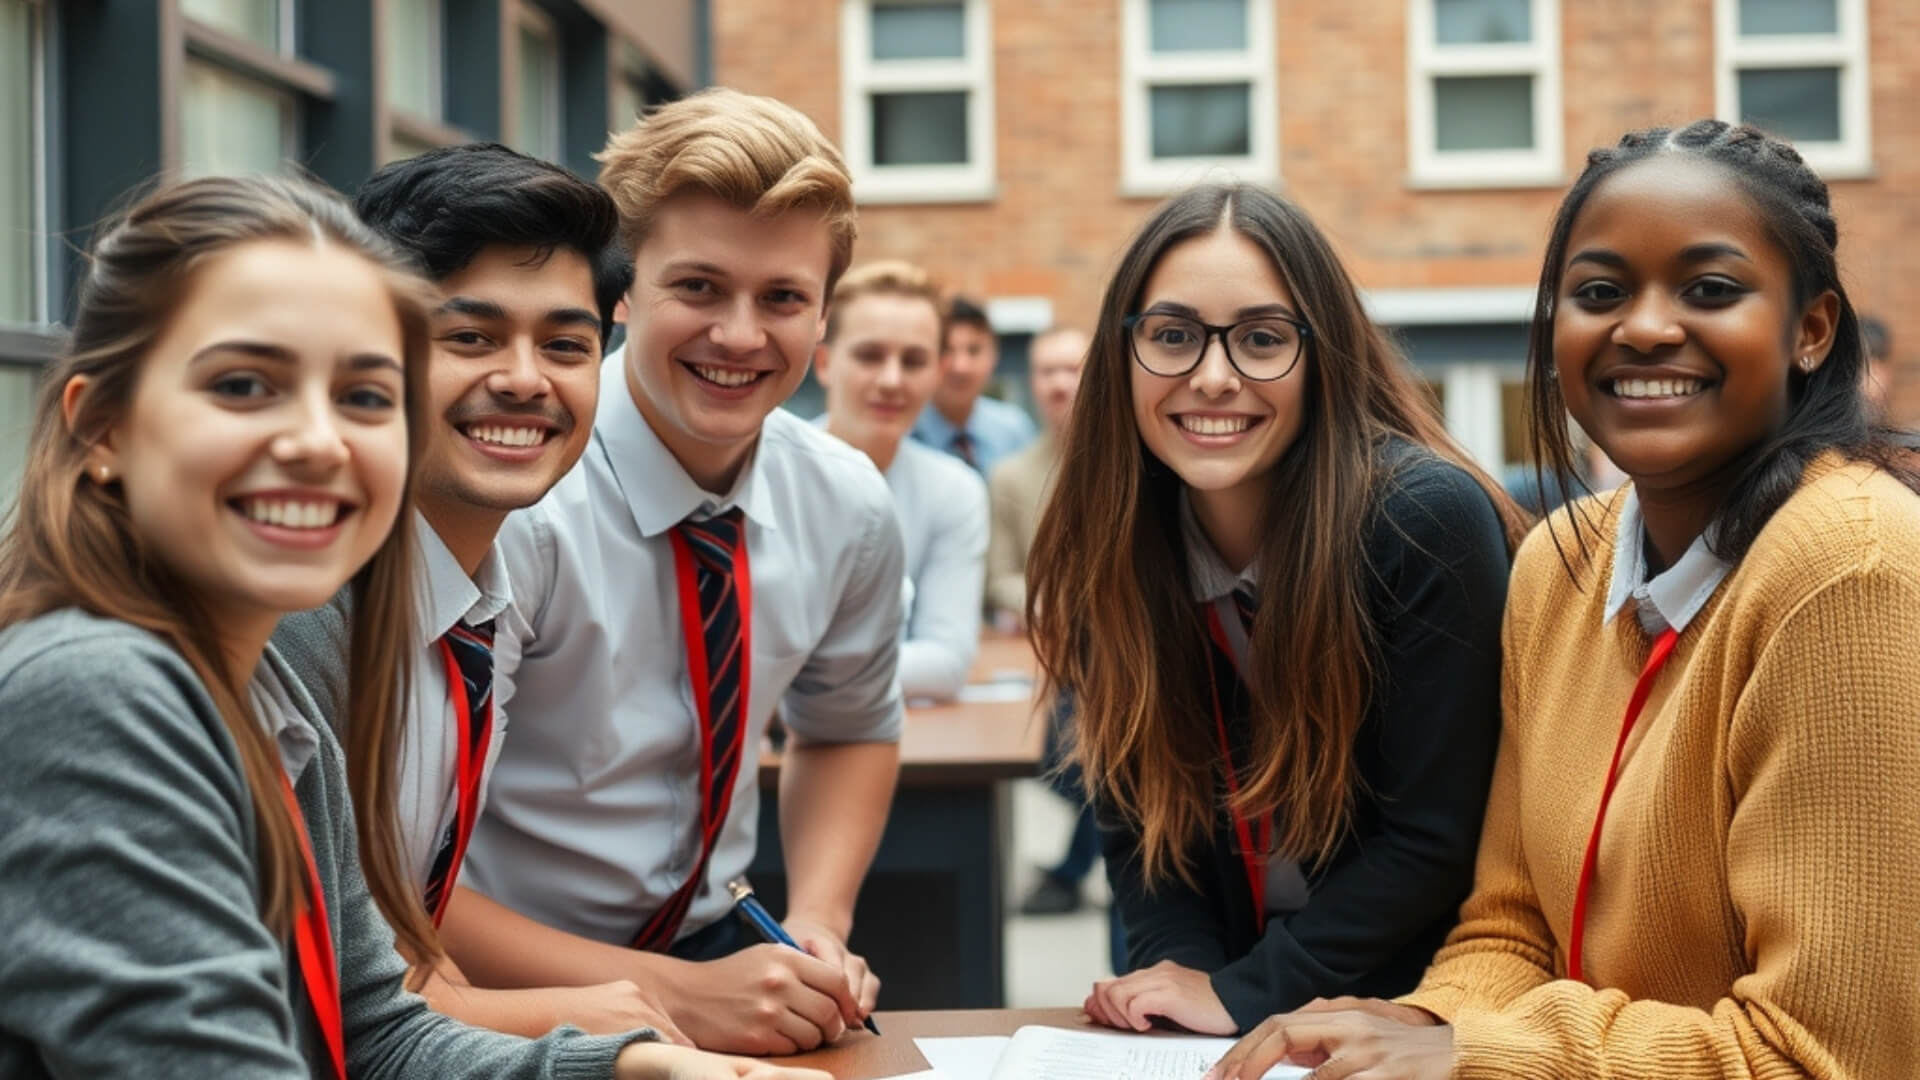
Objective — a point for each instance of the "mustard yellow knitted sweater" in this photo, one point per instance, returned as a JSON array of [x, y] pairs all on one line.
[[1756, 911]]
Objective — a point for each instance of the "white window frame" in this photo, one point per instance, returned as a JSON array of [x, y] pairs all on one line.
[[1142, 69], [532, 20], [1427, 61], [1846, 49], [861, 77]]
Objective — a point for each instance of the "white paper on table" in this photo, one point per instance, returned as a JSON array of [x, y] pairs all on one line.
[[930, 1074], [997, 691], [966, 1057], [1044, 1053]]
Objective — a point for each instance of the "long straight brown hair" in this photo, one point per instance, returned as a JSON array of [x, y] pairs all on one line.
[[70, 543], [1113, 621]]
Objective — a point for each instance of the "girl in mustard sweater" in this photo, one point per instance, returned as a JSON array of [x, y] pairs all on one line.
[[1700, 848]]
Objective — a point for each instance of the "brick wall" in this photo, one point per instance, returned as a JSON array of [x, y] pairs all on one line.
[[1059, 219]]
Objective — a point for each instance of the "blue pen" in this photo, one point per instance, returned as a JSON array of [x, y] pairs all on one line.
[[755, 913]]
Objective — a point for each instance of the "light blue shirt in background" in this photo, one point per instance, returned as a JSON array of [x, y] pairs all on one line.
[[997, 429]]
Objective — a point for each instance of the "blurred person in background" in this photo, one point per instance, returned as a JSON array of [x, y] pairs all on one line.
[[1018, 486], [1876, 379], [976, 429], [879, 363]]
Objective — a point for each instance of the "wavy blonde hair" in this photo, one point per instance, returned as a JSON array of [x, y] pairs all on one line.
[[758, 154]]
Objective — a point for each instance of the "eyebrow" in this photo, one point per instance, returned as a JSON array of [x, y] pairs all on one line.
[[471, 306], [1255, 311], [1697, 253], [280, 355], [573, 316], [693, 267]]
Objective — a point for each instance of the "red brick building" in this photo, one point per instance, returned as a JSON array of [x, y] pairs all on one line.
[[1013, 145]]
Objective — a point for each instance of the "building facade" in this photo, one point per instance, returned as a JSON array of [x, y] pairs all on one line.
[[1013, 147], [98, 96]]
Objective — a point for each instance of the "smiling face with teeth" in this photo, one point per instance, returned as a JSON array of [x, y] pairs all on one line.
[[1675, 329], [726, 309], [1221, 433], [263, 455], [514, 379]]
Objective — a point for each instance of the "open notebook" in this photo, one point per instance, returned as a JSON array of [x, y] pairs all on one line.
[[1045, 1053]]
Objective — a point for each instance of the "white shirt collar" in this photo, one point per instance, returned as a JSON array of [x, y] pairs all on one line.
[[1208, 574], [658, 491], [276, 707], [446, 594], [1672, 597]]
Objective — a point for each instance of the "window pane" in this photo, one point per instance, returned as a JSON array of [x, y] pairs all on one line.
[[1801, 104], [920, 129], [1201, 121], [1789, 17], [1482, 22], [1197, 25], [17, 389], [413, 56], [919, 31], [231, 124], [256, 20], [1483, 112], [539, 104], [19, 244]]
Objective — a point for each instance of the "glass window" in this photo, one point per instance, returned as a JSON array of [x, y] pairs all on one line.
[[1801, 104], [1482, 22], [1197, 25], [1483, 112], [1201, 121], [414, 45], [257, 21], [232, 124], [539, 99], [920, 129], [919, 31], [1789, 16], [20, 245], [18, 388]]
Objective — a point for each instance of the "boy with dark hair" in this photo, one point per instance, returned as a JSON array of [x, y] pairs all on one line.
[[528, 258], [960, 419]]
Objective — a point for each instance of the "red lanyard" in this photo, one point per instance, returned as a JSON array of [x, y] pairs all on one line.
[[313, 945], [470, 771], [1256, 838], [1657, 659]]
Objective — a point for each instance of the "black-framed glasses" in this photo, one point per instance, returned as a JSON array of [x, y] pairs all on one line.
[[1261, 349]]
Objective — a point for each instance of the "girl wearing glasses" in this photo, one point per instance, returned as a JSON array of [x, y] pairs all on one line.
[[1282, 635]]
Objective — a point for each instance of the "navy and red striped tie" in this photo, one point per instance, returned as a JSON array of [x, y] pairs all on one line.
[[717, 548], [472, 651]]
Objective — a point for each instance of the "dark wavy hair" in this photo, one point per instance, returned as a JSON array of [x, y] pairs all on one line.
[[1825, 410], [446, 206]]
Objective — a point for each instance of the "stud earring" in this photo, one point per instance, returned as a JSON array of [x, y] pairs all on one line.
[[1806, 364], [103, 474]]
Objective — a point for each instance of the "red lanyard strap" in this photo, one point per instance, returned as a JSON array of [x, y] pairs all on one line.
[[1255, 838], [313, 946], [471, 767], [1657, 659]]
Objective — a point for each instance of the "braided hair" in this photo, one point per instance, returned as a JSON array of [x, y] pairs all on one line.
[[1825, 410]]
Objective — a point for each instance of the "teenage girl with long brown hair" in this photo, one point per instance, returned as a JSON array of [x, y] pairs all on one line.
[[1272, 585], [1701, 843], [225, 440]]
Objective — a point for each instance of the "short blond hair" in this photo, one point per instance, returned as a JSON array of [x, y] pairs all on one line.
[[760, 155], [888, 277]]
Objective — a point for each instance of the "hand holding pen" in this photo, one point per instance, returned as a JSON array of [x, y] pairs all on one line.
[[756, 916]]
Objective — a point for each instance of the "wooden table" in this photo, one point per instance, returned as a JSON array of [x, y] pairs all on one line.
[[860, 1056], [930, 913]]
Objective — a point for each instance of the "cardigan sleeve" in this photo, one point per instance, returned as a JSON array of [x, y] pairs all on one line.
[[1170, 920], [130, 939], [1440, 558], [1823, 763]]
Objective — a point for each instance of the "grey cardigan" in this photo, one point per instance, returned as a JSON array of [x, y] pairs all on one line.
[[130, 943]]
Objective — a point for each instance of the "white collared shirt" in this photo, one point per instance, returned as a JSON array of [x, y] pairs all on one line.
[[1213, 582], [593, 816], [1672, 597], [943, 513], [427, 796]]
